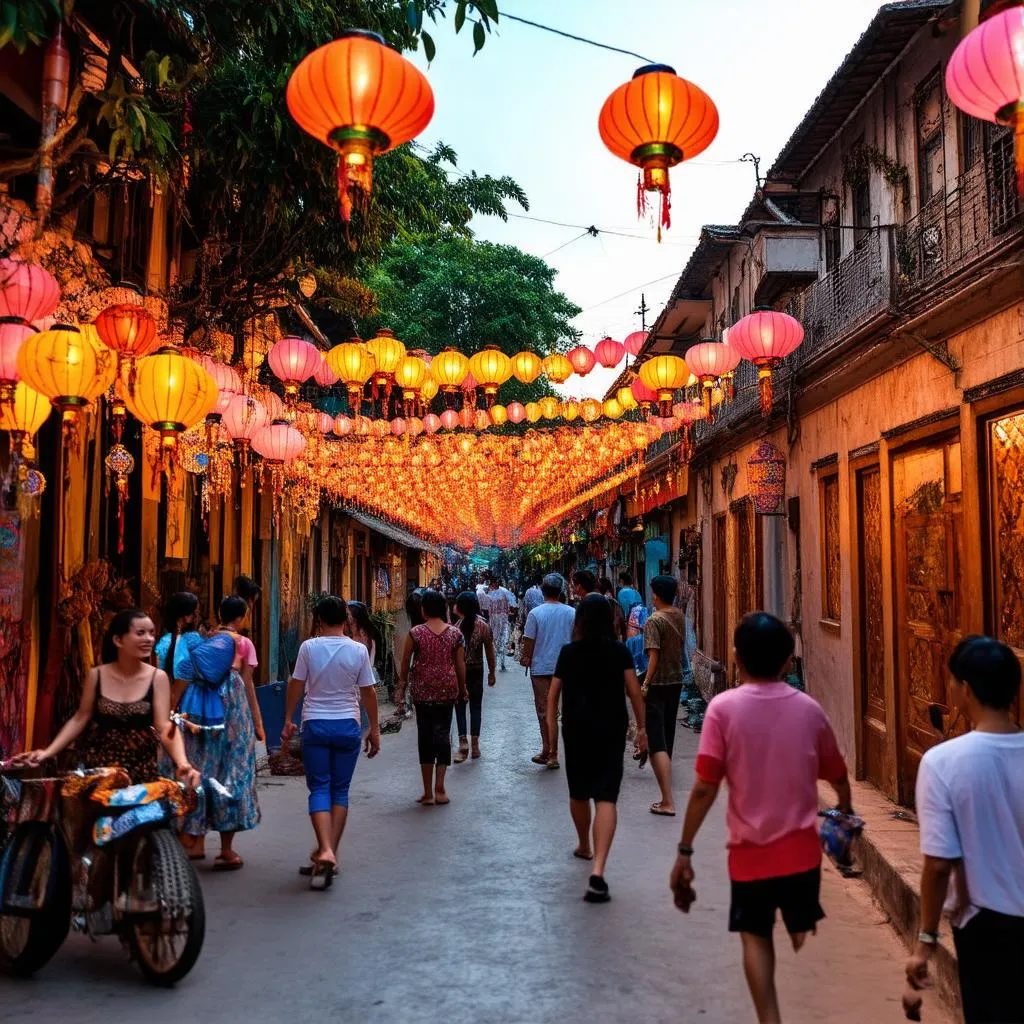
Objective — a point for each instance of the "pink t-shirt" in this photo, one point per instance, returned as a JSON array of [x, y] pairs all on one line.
[[770, 743], [247, 652]]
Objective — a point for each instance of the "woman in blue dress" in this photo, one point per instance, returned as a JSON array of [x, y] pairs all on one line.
[[180, 636]]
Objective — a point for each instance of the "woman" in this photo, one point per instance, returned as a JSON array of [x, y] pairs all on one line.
[[179, 637], [225, 751], [596, 673], [411, 615], [607, 589], [125, 709], [360, 628], [438, 680], [476, 635], [334, 672]]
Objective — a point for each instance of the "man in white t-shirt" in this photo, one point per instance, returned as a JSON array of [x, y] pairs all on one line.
[[970, 806]]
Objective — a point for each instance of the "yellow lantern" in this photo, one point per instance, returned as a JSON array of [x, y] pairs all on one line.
[[429, 388], [664, 374], [410, 374], [491, 368], [533, 412], [557, 368], [499, 415], [526, 366], [549, 407], [25, 413], [449, 368], [626, 398], [570, 410], [590, 410], [387, 352], [62, 364], [612, 408]]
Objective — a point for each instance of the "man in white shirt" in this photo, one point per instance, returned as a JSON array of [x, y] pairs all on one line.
[[499, 607], [970, 805]]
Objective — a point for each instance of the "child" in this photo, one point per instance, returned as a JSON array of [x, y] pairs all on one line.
[[771, 743]]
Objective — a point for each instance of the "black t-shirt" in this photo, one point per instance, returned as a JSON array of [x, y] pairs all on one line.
[[593, 685]]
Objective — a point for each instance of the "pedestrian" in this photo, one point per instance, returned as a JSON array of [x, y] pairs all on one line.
[[533, 597], [970, 806], [628, 597], [411, 615], [333, 678], [476, 635], [124, 711], [664, 634], [499, 607], [594, 676], [436, 654], [548, 629], [361, 628], [179, 637], [770, 743], [221, 731], [583, 582], [605, 587]]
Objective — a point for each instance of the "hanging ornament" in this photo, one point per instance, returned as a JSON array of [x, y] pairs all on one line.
[[449, 368], [353, 365], [387, 352], [609, 352], [557, 368], [766, 478], [526, 367], [130, 331], [410, 374], [120, 464], [766, 337], [709, 361], [581, 359], [635, 342], [293, 361]]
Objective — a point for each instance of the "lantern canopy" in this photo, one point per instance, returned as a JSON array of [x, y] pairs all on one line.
[[609, 352], [27, 291], [362, 99], [655, 121], [766, 479], [582, 359], [664, 374], [526, 366], [557, 368], [766, 337]]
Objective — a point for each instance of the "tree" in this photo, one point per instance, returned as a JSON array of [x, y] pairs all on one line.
[[435, 291]]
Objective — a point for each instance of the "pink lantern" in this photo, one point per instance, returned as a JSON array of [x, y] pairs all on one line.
[[280, 442], [243, 418], [273, 404], [609, 352], [482, 420], [985, 76], [414, 426], [324, 375], [666, 424], [12, 335], [635, 342], [765, 337], [708, 361], [431, 423], [228, 384], [293, 361], [325, 421], [342, 426], [449, 419], [516, 412], [27, 292], [582, 359], [361, 426], [398, 426], [642, 393]]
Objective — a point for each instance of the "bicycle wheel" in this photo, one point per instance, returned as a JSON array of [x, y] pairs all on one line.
[[35, 898], [165, 936]]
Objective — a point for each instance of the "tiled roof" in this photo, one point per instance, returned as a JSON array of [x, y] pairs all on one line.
[[394, 533]]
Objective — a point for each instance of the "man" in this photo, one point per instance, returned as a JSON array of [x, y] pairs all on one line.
[[548, 630], [771, 743], [532, 598], [970, 806], [499, 607], [628, 597], [583, 583], [664, 635]]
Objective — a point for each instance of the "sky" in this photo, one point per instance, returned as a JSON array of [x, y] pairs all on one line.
[[527, 106]]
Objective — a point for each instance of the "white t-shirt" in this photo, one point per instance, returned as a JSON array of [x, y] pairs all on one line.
[[333, 669], [970, 805], [549, 626], [497, 603]]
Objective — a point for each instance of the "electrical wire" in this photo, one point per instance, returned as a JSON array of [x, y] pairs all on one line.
[[578, 39], [596, 231], [629, 291], [571, 240]]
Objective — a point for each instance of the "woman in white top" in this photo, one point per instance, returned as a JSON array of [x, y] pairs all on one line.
[[335, 674]]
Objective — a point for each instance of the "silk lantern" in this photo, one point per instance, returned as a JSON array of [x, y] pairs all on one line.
[[609, 352], [709, 361], [664, 374], [765, 337]]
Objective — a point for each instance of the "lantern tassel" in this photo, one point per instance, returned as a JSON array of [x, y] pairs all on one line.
[[1018, 146], [764, 381], [707, 398]]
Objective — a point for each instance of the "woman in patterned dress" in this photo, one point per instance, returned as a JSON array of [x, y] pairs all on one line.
[[476, 634], [438, 680]]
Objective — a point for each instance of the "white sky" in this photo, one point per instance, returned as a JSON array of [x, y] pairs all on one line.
[[527, 106]]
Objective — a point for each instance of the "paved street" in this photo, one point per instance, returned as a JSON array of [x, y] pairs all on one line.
[[473, 913]]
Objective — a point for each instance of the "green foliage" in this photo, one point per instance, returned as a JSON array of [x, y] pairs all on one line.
[[26, 23], [861, 160]]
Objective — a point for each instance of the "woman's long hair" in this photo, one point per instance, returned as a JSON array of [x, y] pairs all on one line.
[[178, 606], [595, 622], [361, 617], [467, 605], [120, 625], [414, 608]]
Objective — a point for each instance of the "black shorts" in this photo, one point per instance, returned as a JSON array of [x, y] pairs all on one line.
[[662, 711], [754, 904], [593, 764]]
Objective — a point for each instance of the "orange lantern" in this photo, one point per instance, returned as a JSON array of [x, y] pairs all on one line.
[[612, 408], [626, 398], [449, 368], [410, 374], [353, 365], [362, 99], [491, 368], [533, 412], [590, 410], [24, 414], [570, 410], [582, 359], [557, 368], [526, 367], [549, 407], [499, 415], [655, 121], [130, 331]]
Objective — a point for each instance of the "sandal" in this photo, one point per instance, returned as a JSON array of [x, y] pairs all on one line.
[[222, 863], [656, 808], [539, 759], [321, 875], [461, 755], [552, 762], [425, 801]]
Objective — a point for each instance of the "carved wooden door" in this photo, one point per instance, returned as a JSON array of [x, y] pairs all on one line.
[[720, 589]]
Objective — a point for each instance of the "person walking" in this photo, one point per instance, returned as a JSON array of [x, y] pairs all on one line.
[[411, 615], [664, 635], [629, 598], [770, 743], [363, 631], [594, 676], [476, 635], [605, 587], [499, 607], [179, 637], [583, 582], [333, 678], [548, 629], [436, 655], [970, 806]]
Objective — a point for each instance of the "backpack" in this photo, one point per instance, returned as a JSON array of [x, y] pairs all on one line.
[[203, 701]]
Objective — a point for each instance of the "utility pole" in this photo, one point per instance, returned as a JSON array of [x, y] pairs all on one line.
[[643, 311]]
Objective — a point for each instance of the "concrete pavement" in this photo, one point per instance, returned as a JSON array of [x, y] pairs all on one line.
[[473, 913]]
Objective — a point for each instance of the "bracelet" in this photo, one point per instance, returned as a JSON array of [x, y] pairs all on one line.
[[928, 938], [684, 850]]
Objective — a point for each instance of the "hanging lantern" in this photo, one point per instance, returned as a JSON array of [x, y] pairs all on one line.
[[570, 410], [557, 368], [581, 359], [655, 121], [499, 415], [533, 413], [293, 361], [481, 419], [467, 416], [23, 414], [491, 368], [130, 331], [362, 99], [387, 352], [526, 367], [120, 465], [429, 388], [985, 76], [449, 368], [243, 418], [27, 292], [590, 410], [626, 398], [549, 407], [414, 426], [609, 352], [279, 444], [469, 391], [398, 426], [709, 361], [516, 412], [664, 375], [612, 408], [766, 479], [765, 337], [449, 419], [354, 366], [431, 423], [276, 409], [686, 414], [409, 376], [325, 422], [342, 426], [635, 342], [324, 375], [12, 334]]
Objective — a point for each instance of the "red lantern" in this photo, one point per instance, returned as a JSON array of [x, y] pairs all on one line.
[[766, 337], [766, 477], [342, 426], [609, 352], [431, 423], [582, 359], [12, 334], [362, 99], [516, 412], [293, 362], [655, 121], [130, 331], [27, 292], [642, 393], [708, 361], [398, 426], [324, 375]]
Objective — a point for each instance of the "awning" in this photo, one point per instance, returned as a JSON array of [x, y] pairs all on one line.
[[394, 533]]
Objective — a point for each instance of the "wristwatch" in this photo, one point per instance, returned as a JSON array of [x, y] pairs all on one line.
[[928, 938], [684, 850]]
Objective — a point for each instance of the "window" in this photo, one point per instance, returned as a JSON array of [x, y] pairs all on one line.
[[972, 141], [861, 211], [928, 122], [831, 565]]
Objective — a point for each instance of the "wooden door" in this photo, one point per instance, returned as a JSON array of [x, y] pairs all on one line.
[[749, 560], [720, 589], [926, 497], [873, 702]]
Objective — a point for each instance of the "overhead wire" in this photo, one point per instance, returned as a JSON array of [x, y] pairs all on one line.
[[571, 240], [576, 38], [629, 291]]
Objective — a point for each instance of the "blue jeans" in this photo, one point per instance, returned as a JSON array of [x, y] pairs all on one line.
[[330, 749]]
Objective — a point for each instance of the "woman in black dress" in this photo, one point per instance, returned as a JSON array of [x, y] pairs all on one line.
[[594, 675]]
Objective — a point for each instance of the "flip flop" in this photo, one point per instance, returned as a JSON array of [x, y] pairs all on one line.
[[223, 864], [322, 876], [582, 856], [441, 801], [656, 808], [539, 759], [424, 801]]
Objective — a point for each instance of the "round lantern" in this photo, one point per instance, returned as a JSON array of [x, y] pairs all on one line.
[[27, 292], [655, 121], [581, 359], [342, 426], [12, 334], [590, 410], [481, 420], [709, 361], [635, 342], [354, 366], [642, 393], [491, 368], [664, 375], [526, 366], [516, 412], [570, 410], [499, 415], [130, 331], [243, 418], [533, 412], [626, 398], [362, 99], [414, 426], [766, 479], [686, 414], [25, 412], [557, 368], [449, 419], [398, 426], [293, 361], [325, 422], [609, 352], [387, 352], [985, 76], [612, 408], [410, 374], [63, 365], [449, 368], [279, 442], [765, 337], [431, 423], [549, 407], [324, 375], [228, 384], [429, 387], [275, 407]]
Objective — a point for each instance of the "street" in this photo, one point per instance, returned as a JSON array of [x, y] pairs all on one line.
[[473, 913]]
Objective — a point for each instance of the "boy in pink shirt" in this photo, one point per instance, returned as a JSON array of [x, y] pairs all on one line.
[[770, 743]]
